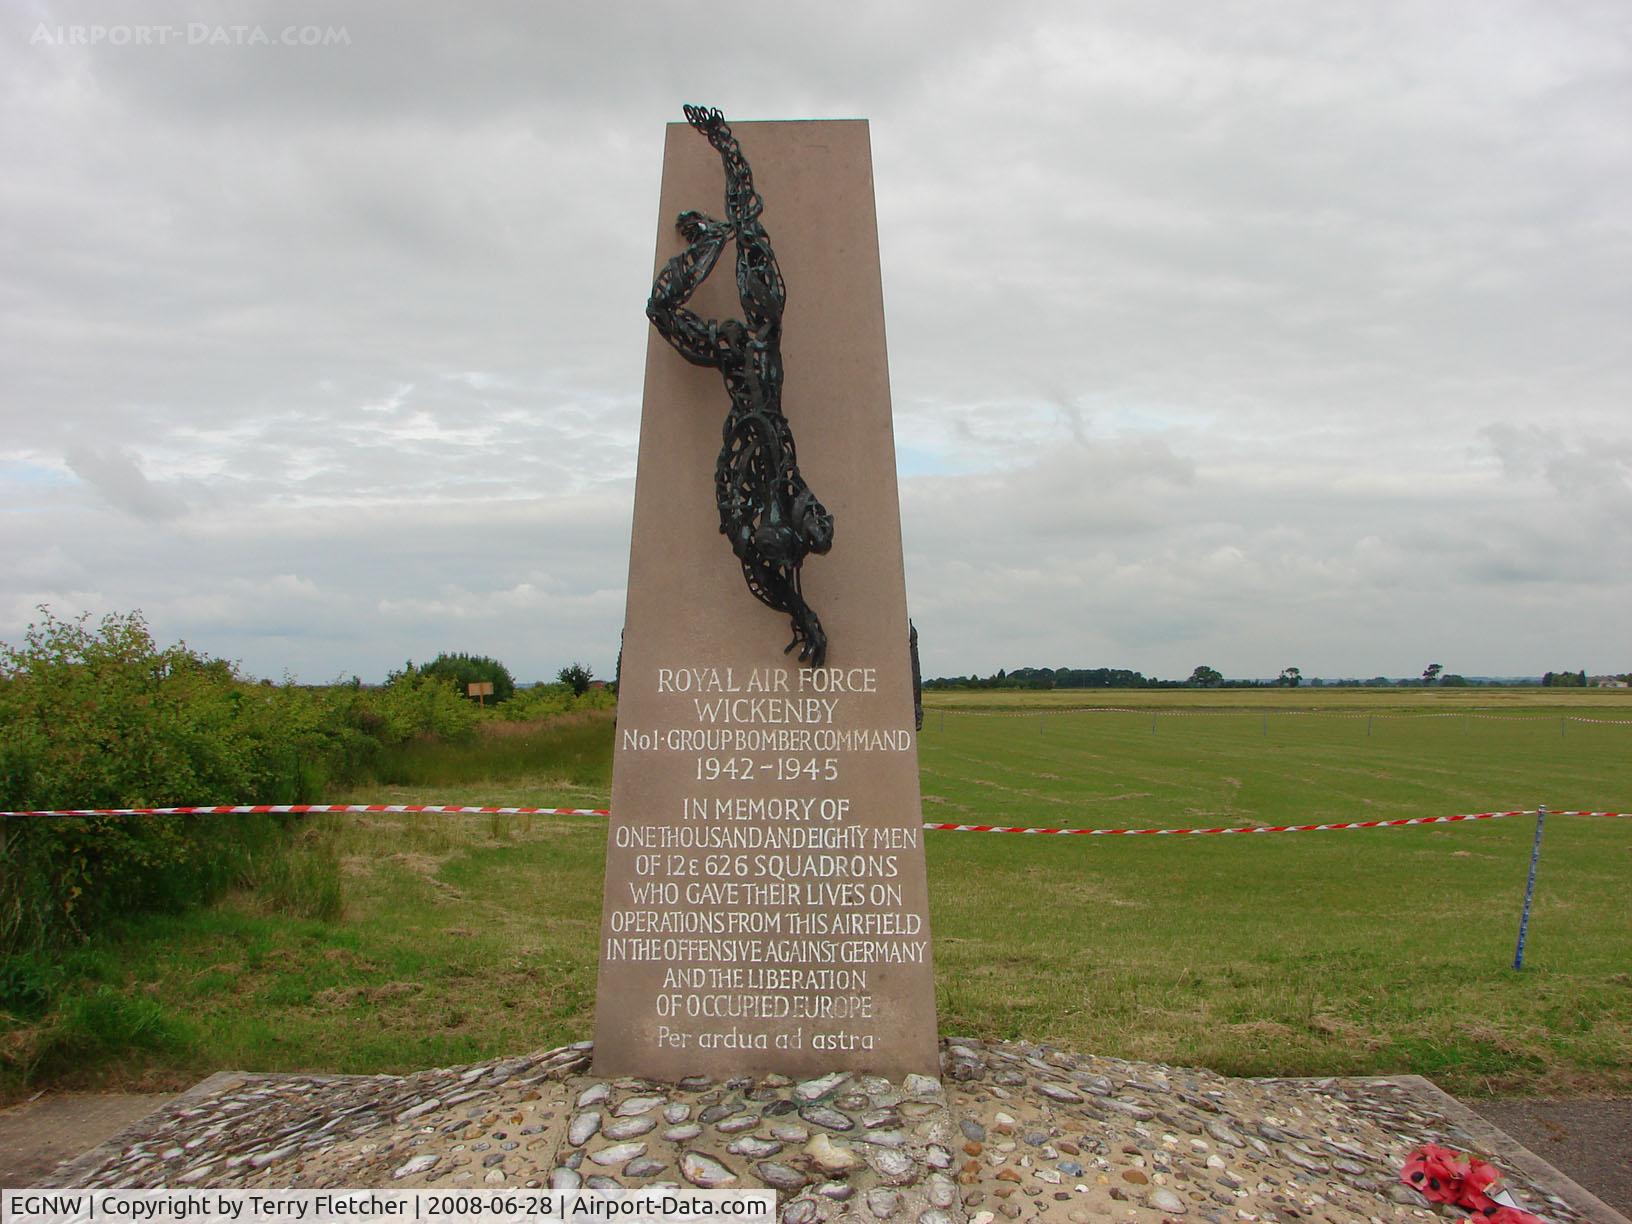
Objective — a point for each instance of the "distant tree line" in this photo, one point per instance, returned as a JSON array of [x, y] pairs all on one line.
[[1109, 678], [1433, 676], [1050, 678]]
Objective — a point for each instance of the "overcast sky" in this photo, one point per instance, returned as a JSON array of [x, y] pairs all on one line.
[[1251, 335]]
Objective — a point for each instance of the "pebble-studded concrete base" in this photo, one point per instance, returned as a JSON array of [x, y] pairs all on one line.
[[1011, 1131]]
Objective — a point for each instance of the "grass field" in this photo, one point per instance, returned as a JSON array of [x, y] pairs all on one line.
[[1311, 953]]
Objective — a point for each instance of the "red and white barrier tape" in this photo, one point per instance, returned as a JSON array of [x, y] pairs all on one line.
[[1311, 828], [1306, 828], [301, 808]]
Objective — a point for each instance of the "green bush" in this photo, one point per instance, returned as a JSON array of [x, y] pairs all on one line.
[[29, 981], [415, 703], [546, 700], [99, 716], [467, 669], [531, 704], [103, 718]]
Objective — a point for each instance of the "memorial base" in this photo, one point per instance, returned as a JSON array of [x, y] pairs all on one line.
[[1067, 1138]]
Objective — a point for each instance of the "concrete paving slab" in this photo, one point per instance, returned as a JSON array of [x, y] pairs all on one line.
[[38, 1135]]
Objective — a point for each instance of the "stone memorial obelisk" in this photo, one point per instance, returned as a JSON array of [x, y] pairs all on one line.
[[765, 905]]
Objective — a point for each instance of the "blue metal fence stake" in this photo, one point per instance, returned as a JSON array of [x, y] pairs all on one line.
[[1529, 889]]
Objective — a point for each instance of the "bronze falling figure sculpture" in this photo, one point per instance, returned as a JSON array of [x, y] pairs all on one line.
[[767, 512]]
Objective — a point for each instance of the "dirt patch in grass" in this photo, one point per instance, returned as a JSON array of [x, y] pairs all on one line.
[[1346, 1032], [942, 801], [1093, 892], [419, 864], [351, 996], [1521, 1043], [1268, 1030]]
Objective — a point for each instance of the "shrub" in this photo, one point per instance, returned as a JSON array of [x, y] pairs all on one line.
[[414, 703], [467, 669], [545, 700], [540, 701], [596, 699], [103, 718]]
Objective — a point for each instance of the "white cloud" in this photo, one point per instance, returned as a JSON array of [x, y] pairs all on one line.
[[117, 475]]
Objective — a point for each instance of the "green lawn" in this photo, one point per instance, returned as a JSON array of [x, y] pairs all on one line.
[[1299, 954]]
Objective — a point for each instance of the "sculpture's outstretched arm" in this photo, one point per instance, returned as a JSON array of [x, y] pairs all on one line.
[[696, 339], [742, 202], [759, 280]]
